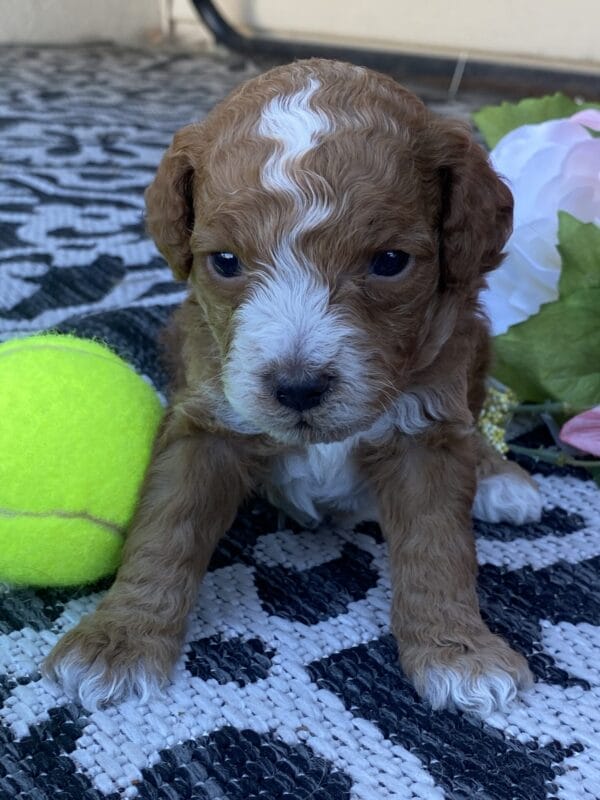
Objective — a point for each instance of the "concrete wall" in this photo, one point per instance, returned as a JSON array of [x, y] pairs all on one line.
[[549, 30], [67, 21], [556, 31]]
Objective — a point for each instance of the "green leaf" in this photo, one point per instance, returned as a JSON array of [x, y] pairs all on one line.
[[494, 122], [579, 247], [555, 354]]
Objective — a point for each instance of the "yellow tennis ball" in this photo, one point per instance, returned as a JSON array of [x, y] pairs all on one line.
[[76, 431]]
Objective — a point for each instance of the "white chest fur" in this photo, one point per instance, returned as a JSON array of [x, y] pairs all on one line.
[[321, 480], [324, 480]]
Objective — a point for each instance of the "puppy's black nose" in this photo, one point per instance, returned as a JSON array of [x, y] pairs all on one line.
[[302, 395]]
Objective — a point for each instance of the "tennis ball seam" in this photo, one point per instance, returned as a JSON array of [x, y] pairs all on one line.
[[116, 359], [111, 527]]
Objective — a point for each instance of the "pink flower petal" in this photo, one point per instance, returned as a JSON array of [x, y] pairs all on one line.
[[590, 117], [583, 431]]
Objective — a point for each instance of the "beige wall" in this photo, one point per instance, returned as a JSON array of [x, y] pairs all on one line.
[[65, 21], [552, 30]]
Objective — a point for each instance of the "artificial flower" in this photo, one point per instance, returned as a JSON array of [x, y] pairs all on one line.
[[550, 167], [495, 414], [583, 431]]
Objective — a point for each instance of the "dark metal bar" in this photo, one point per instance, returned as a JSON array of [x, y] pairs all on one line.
[[512, 80]]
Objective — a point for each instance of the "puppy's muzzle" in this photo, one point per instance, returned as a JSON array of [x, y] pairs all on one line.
[[304, 394]]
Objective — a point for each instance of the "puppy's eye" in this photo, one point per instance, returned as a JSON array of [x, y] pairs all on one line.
[[388, 263], [225, 264]]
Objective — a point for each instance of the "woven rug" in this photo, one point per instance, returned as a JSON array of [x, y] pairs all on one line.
[[289, 685]]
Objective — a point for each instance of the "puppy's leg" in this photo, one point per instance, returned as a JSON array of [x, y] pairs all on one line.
[[425, 488], [505, 491], [129, 645]]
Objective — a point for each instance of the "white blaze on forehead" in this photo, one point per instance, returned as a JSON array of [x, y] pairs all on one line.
[[296, 127], [288, 322]]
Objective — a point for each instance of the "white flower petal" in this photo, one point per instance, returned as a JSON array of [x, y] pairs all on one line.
[[582, 202], [550, 167]]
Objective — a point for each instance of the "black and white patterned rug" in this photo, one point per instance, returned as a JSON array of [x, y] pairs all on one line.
[[289, 685]]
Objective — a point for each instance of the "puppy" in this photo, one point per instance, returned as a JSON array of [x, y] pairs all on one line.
[[331, 355]]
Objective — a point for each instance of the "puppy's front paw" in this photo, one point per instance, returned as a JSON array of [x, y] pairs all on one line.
[[104, 661], [480, 677], [507, 497]]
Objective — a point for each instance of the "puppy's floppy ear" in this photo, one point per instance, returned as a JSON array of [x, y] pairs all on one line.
[[170, 200], [476, 206]]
